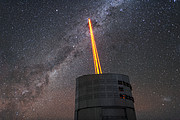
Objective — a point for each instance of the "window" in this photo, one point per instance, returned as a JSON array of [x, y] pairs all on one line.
[[125, 84], [124, 96], [120, 82], [121, 89], [127, 97], [130, 87], [121, 96]]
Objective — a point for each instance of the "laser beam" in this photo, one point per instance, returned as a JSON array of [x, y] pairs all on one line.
[[97, 65]]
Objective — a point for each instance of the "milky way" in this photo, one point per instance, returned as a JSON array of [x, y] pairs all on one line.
[[45, 45]]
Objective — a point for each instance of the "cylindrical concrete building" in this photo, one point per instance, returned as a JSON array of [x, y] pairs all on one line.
[[104, 97]]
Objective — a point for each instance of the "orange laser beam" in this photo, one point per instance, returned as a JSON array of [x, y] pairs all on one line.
[[97, 65]]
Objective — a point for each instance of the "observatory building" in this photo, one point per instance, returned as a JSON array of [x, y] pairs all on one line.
[[104, 97]]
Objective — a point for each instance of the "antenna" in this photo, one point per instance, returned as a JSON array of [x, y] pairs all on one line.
[[97, 65]]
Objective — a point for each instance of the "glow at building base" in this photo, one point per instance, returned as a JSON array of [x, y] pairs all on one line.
[[97, 65]]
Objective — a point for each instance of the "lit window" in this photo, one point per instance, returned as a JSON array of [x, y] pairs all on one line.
[[124, 96]]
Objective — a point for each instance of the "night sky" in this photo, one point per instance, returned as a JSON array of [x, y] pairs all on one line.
[[45, 45]]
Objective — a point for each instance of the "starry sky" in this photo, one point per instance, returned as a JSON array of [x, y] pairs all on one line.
[[45, 45]]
